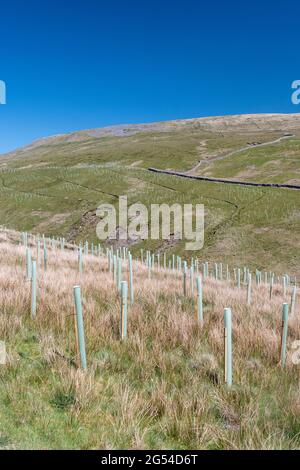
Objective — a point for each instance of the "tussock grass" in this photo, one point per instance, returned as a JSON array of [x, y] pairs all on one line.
[[161, 388]]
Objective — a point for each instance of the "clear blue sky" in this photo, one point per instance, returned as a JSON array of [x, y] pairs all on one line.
[[72, 65]]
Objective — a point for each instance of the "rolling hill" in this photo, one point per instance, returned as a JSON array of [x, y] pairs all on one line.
[[55, 184]]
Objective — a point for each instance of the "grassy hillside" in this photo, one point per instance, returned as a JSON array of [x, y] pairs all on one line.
[[269, 164], [162, 388], [55, 185]]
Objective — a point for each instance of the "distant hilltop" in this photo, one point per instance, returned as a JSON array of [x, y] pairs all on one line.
[[248, 122]]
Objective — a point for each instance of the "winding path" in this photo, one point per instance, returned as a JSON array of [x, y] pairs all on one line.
[[234, 152], [188, 174]]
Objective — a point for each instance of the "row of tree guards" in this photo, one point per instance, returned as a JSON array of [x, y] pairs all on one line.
[[116, 258], [228, 369]]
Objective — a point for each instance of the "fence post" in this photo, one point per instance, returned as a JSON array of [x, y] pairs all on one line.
[[249, 289], [228, 347], [124, 292], [28, 264], [216, 271], [206, 269], [80, 260], [197, 266], [119, 274], [109, 262], [284, 331], [115, 269], [271, 286], [131, 279], [199, 300], [284, 286], [192, 280], [184, 277], [45, 257], [80, 327], [149, 267], [38, 248], [239, 278], [293, 301], [33, 289]]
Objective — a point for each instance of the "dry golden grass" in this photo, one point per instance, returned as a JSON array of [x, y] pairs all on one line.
[[163, 387]]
